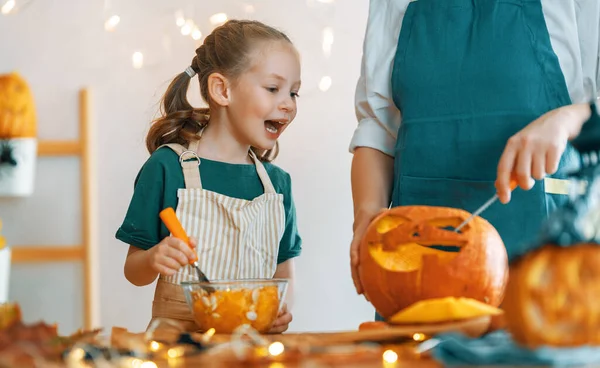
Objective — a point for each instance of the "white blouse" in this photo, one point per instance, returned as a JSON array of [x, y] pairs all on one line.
[[574, 28]]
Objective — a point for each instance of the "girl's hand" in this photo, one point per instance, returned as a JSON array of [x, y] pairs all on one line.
[[168, 256], [536, 150], [361, 222], [282, 322]]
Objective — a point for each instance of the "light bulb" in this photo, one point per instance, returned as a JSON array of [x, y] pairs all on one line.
[[137, 60], [217, 19], [111, 23], [325, 83]]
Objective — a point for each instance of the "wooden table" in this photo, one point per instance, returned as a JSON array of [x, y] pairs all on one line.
[[319, 349], [406, 357], [297, 350]]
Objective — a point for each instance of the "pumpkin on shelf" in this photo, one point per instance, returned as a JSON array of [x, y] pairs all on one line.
[[18, 118], [18, 130], [412, 253]]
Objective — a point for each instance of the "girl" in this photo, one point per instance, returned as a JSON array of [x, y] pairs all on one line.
[[456, 96], [213, 166]]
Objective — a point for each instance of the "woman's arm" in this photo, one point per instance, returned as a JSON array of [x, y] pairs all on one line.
[[374, 139], [372, 178]]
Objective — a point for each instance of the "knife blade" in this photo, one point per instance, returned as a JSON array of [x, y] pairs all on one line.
[[489, 202]]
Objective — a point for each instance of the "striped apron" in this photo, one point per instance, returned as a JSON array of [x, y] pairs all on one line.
[[237, 238]]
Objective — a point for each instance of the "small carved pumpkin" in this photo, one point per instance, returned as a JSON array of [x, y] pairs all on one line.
[[553, 296], [17, 108], [412, 253]]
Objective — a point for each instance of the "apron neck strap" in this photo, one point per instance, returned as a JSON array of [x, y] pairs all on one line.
[[191, 173], [262, 174]]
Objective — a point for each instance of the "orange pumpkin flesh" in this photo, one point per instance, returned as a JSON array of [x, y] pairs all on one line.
[[404, 258], [553, 296]]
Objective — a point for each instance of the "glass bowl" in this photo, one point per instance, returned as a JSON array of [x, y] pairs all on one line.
[[255, 302]]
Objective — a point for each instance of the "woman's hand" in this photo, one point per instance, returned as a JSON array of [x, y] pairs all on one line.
[[361, 222], [282, 323], [536, 150], [168, 256]]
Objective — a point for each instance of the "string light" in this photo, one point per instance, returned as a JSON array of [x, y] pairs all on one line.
[[218, 19], [327, 40], [390, 356], [154, 346], [179, 19], [136, 363], [325, 83], [175, 352], [76, 355], [208, 335], [276, 348], [8, 6], [137, 60], [418, 337], [111, 23], [187, 28], [196, 34]]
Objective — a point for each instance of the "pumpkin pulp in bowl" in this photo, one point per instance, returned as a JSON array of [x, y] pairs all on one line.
[[254, 302]]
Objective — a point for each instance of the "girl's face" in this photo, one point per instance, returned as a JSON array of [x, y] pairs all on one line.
[[263, 99]]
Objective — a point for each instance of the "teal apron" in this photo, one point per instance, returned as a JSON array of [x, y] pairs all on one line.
[[469, 74]]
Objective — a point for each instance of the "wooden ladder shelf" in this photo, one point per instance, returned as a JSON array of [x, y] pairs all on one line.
[[78, 252]]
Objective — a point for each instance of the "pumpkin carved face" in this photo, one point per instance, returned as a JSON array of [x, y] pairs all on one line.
[[17, 110], [553, 296], [412, 253]]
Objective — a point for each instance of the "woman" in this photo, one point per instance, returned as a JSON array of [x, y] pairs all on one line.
[[456, 96]]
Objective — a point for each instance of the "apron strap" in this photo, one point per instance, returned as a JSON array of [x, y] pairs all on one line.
[[262, 174], [191, 171]]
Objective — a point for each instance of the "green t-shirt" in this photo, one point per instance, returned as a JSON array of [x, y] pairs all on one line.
[[161, 176]]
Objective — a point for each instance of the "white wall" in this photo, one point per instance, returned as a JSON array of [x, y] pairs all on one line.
[[61, 46]]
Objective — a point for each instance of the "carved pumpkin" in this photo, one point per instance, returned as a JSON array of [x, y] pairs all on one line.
[[411, 253], [553, 296], [17, 117]]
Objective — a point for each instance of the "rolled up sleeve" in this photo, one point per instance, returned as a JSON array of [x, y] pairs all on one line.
[[377, 115]]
